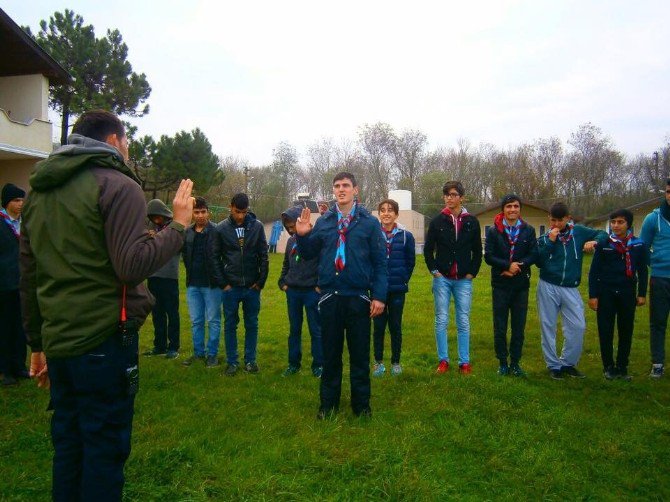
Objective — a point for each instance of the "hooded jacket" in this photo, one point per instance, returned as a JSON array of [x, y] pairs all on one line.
[[296, 271], [561, 263], [400, 260], [238, 256], [83, 237], [365, 271], [656, 235], [157, 207], [497, 248]]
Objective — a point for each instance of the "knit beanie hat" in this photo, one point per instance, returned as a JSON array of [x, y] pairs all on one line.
[[510, 197], [10, 192]]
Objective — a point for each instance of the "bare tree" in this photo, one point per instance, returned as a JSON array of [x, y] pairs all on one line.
[[377, 143], [408, 151]]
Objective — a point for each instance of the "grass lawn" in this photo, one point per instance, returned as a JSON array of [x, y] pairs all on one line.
[[199, 435]]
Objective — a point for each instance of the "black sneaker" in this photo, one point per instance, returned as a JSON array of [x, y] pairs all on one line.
[[317, 371], [290, 370], [9, 380], [503, 370], [610, 373], [231, 369], [171, 354], [622, 373], [556, 374], [212, 362], [251, 367], [515, 370], [190, 360], [364, 413], [573, 372], [154, 352]]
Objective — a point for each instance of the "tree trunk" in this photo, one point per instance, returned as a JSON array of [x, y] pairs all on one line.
[[65, 124]]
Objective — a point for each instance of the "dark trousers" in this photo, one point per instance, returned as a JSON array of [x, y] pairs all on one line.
[[345, 316], [165, 313], [392, 315], [509, 302], [659, 308], [296, 301], [92, 421], [616, 305], [12, 338], [250, 299]]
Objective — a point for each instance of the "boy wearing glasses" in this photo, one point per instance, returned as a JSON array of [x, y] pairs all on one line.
[[453, 254], [656, 235]]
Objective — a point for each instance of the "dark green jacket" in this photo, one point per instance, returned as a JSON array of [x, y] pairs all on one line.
[[83, 237]]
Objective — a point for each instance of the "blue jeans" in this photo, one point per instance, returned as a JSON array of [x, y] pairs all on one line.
[[461, 289], [296, 300], [204, 304], [251, 306]]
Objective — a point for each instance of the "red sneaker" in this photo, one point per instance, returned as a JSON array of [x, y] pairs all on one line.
[[465, 368], [443, 367]]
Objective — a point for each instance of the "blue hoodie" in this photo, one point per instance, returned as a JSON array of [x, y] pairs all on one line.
[[656, 235]]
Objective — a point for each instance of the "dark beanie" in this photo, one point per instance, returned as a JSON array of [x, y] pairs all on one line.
[[510, 197], [10, 192]]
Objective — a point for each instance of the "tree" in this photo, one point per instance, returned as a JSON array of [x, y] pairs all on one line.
[[102, 75], [408, 153], [377, 143]]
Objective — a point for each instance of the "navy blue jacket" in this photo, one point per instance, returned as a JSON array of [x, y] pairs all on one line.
[[496, 254], [401, 260], [9, 258], [365, 248], [608, 268]]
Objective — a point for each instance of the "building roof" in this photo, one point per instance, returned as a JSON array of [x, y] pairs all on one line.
[[21, 55], [496, 205], [655, 201]]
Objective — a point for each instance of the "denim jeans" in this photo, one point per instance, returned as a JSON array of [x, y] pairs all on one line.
[[204, 304], [251, 306], [461, 289], [296, 300], [92, 421]]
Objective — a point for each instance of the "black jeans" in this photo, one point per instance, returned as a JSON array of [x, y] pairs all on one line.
[[92, 421], [616, 305], [12, 338], [395, 303], [509, 301], [350, 315], [165, 313], [659, 308]]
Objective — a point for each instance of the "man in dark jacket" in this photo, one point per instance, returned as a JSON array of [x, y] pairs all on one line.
[[164, 285], [353, 284], [85, 252], [453, 253], [12, 339], [239, 262], [202, 295], [511, 249], [298, 279]]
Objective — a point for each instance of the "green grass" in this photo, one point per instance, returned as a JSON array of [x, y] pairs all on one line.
[[201, 436]]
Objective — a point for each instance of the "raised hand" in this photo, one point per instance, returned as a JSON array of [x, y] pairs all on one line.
[[182, 205], [303, 225]]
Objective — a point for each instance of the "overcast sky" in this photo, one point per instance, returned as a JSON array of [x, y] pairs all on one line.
[[251, 74]]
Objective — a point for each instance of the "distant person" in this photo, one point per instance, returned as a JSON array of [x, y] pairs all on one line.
[[453, 254], [164, 285], [617, 285], [299, 279], [239, 262], [353, 283], [656, 235], [85, 252], [560, 256], [12, 338], [202, 295], [400, 259], [275, 235], [510, 249]]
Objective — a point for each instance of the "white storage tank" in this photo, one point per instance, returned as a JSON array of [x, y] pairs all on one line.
[[402, 197]]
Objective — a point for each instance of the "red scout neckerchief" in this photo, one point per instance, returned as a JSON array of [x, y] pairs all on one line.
[[342, 227], [566, 234], [623, 246], [8, 220], [388, 235], [511, 232]]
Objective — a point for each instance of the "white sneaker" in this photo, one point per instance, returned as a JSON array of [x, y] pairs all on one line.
[[396, 369]]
